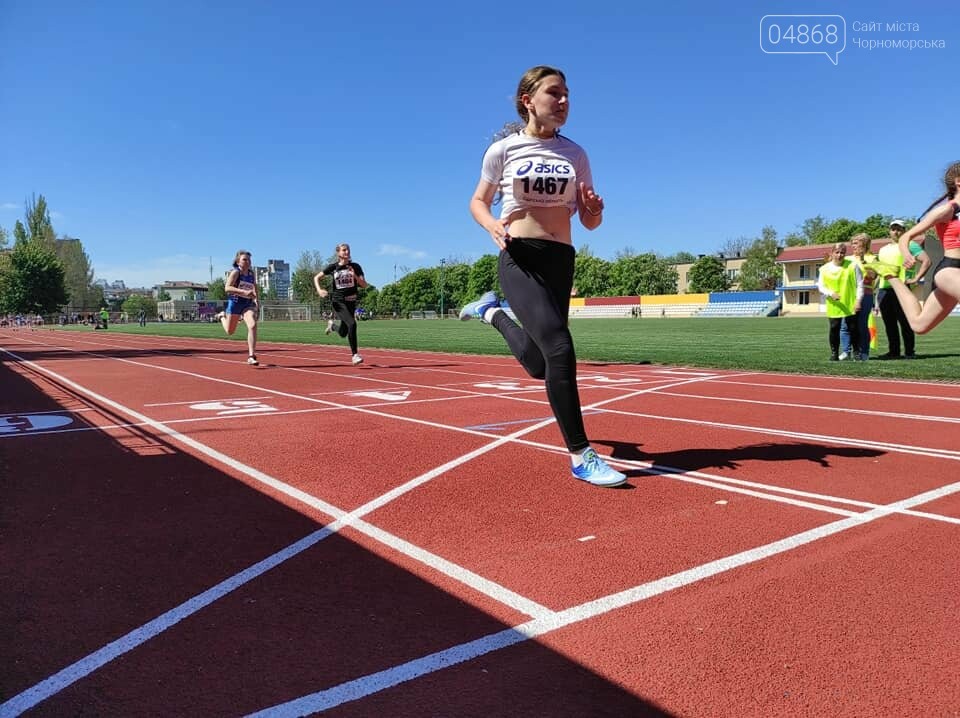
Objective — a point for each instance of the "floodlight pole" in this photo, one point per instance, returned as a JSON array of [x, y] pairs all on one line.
[[443, 263]]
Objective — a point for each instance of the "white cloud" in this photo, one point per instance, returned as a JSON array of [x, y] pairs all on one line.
[[396, 250], [9, 205], [156, 270]]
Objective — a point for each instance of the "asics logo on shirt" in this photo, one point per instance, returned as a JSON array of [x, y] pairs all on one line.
[[544, 168]]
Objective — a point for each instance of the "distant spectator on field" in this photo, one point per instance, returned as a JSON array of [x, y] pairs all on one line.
[[837, 280], [104, 318], [860, 253], [142, 317], [894, 320]]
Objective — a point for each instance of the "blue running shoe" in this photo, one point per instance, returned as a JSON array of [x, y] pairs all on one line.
[[595, 470], [479, 307]]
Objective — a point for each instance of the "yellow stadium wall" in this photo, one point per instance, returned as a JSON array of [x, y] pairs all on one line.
[[660, 299]]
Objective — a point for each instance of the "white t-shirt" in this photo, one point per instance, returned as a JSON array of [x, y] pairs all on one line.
[[531, 172]]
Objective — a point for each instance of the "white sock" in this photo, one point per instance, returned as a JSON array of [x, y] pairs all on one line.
[[577, 457], [489, 314]]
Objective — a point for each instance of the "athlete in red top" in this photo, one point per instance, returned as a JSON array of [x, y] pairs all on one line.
[[944, 217]]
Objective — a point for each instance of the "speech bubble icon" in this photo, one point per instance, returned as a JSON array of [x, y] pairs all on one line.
[[804, 35]]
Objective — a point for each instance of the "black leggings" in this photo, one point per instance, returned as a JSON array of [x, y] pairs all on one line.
[[348, 321], [895, 322], [834, 334], [536, 276]]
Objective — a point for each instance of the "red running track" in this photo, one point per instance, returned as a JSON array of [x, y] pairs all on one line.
[[186, 535]]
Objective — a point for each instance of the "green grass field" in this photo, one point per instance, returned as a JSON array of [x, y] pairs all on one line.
[[796, 345]]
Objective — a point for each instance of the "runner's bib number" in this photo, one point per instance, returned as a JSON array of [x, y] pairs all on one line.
[[545, 183]]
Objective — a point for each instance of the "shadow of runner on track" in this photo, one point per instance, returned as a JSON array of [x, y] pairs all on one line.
[[693, 459], [103, 532]]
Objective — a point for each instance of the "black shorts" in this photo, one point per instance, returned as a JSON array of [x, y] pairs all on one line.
[[953, 262]]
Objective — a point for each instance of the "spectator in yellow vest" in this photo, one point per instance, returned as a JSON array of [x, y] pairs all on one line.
[[860, 253], [840, 282]]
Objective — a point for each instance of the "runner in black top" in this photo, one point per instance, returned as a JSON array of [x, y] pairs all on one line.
[[347, 277]]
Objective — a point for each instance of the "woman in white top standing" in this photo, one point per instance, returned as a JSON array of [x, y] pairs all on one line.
[[544, 180]]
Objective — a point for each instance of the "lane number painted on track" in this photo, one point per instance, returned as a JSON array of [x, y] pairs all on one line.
[[32, 422], [232, 408], [503, 386], [383, 395]]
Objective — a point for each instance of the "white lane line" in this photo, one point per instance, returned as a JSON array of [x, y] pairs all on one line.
[[721, 482], [92, 662], [897, 395], [807, 436], [69, 675], [307, 499], [388, 678], [201, 401], [818, 407], [678, 473]]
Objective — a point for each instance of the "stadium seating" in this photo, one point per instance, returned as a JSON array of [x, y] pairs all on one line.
[[593, 312], [736, 309]]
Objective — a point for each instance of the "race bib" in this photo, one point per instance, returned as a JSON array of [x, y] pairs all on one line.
[[545, 182], [344, 278]]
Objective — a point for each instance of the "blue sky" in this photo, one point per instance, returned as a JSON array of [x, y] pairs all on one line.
[[166, 133]]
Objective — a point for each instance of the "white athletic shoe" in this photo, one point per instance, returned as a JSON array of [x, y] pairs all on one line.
[[477, 308], [357, 359], [252, 361], [596, 471]]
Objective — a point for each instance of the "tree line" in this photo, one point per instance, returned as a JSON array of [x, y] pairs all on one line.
[[41, 273], [455, 281], [44, 274]]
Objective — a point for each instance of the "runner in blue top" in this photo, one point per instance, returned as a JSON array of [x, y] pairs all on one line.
[[241, 288]]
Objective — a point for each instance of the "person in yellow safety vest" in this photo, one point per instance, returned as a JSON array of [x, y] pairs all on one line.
[[840, 281], [104, 317], [863, 308]]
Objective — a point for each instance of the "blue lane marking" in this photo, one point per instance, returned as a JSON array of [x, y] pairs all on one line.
[[505, 424]]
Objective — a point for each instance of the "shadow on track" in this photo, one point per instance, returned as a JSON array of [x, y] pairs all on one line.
[[104, 532], [694, 459]]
